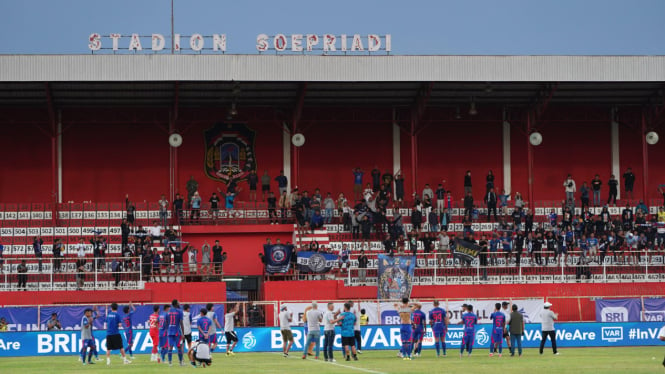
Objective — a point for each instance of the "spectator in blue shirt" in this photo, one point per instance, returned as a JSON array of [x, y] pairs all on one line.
[[282, 182], [317, 220], [357, 183]]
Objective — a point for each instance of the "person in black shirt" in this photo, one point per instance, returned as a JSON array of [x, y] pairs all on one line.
[[628, 182], [362, 267], [376, 178], [399, 189], [124, 232], [528, 222], [177, 207], [131, 209], [22, 270], [490, 201], [489, 181], [253, 180], [37, 247], [613, 184], [468, 205], [57, 255], [518, 246], [537, 247], [467, 183], [596, 183], [389, 245], [214, 205], [627, 218], [365, 229], [272, 208], [482, 256], [217, 256]]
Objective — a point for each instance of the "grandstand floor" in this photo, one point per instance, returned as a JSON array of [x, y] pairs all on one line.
[[580, 360]]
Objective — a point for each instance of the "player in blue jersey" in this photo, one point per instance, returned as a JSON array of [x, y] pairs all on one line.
[[419, 322], [127, 326], [87, 339], [498, 329], [113, 338], [469, 320], [163, 333], [438, 319], [203, 324], [405, 330], [175, 330], [348, 320]]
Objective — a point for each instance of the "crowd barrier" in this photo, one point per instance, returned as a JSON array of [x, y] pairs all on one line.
[[379, 337]]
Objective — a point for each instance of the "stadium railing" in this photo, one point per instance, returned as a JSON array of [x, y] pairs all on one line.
[[61, 274]]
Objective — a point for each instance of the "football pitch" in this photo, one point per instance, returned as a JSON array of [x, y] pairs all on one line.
[[571, 360]]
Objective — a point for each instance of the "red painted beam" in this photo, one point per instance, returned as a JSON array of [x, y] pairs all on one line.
[[235, 229]]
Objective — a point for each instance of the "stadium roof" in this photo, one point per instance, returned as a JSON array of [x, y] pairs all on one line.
[[278, 80]]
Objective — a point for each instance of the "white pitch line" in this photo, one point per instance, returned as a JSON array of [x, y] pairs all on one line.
[[336, 364]]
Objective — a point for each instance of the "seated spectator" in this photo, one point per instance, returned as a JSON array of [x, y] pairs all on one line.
[[317, 220]]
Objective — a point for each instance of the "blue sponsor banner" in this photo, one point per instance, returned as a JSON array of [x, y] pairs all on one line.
[[395, 276], [277, 257], [654, 309], [618, 310], [268, 339]]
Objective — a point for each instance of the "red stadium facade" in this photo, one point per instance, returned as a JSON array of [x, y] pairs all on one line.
[[96, 128]]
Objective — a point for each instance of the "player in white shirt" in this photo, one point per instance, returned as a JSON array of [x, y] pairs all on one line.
[[285, 319], [212, 331], [231, 337], [505, 310], [187, 325]]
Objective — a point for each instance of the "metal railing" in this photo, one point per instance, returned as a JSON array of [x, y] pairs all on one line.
[[67, 273]]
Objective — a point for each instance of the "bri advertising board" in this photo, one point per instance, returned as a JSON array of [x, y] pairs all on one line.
[[379, 337]]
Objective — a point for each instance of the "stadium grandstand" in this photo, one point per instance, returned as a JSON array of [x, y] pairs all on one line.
[[479, 169]]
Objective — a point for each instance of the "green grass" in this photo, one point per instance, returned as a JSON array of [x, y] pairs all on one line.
[[572, 360]]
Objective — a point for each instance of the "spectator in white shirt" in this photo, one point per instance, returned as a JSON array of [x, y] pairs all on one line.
[[569, 187], [80, 248], [156, 230]]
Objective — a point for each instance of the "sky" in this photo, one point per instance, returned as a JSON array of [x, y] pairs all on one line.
[[463, 27]]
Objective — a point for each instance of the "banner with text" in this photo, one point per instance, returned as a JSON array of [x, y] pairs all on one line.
[[316, 262], [618, 310], [465, 250], [395, 276], [268, 339]]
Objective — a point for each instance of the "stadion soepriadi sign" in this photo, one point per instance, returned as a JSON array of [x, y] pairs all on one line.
[[197, 43]]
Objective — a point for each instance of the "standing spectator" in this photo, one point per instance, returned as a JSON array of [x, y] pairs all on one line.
[[192, 255], [503, 202], [584, 195], [519, 201], [427, 192], [37, 247], [569, 187], [217, 257], [80, 249], [163, 210], [272, 207], [357, 183], [57, 256], [376, 178], [489, 181], [596, 183], [205, 258], [177, 208], [628, 182], [399, 189], [362, 267], [282, 182], [440, 194], [468, 205], [516, 323], [53, 323], [2, 260], [467, 183], [178, 252], [284, 205], [22, 270], [195, 204], [548, 317], [265, 184], [613, 184], [131, 210], [192, 187], [214, 205], [433, 220], [115, 270], [80, 273], [490, 201], [329, 206], [253, 181]]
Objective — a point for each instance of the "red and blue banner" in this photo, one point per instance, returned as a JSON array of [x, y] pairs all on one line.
[[395, 276]]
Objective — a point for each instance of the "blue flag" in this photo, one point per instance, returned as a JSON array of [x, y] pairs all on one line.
[[316, 262], [277, 257]]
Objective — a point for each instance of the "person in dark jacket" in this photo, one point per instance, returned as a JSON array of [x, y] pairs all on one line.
[[490, 201], [628, 182], [37, 247], [614, 187], [468, 205], [467, 182]]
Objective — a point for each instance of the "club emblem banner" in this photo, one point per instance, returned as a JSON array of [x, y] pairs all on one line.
[[277, 257], [229, 152], [395, 276], [316, 262]]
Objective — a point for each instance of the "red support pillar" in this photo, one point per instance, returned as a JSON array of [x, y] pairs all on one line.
[[645, 160], [529, 160], [414, 156]]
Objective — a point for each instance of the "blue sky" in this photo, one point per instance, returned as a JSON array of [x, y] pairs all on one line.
[[503, 27]]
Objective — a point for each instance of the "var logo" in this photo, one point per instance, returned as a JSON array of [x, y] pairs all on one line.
[[612, 334], [614, 314]]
